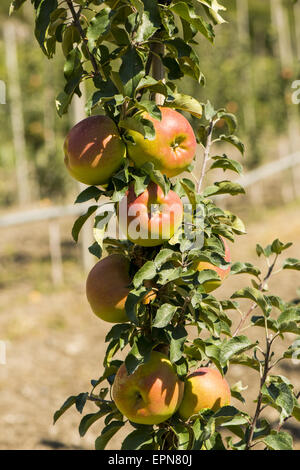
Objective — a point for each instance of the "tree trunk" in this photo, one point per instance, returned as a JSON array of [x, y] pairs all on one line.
[[242, 9], [16, 113]]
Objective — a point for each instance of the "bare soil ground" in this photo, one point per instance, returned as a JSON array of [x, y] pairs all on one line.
[[55, 345]]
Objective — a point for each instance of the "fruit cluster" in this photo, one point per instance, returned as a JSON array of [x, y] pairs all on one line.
[[94, 151]]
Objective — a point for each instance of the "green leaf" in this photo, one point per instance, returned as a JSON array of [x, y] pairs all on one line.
[[291, 263], [294, 350], [224, 187], [236, 390], [139, 354], [207, 275], [167, 19], [181, 60], [165, 255], [289, 320], [212, 8], [261, 321], [107, 91], [62, 103], [233, 140], [183, 436], [278, 247], [72, 65], [98, 26], [81, 401], [137, 439], [15, 5], [259, 250], [256, 296], [262, 429], [139, 5], [233, 347], [149, 21], [296, 410], [131, 70], [230, 416], [230, 120], [81, 221], [186, 103], [132, 301], [138, 124], [178, 336], [156, 176], [245, 360], [100, 226], [67, 404], [226, 164], [43, 19], [279, 441], [157, 86], [168, 273], [278, 393], [95, 250], [244, 268], [150, 107], [190, 190], [146, 272], [187, 12], [107, 433], [70, 37], [209, 111], [92, 192], [164, 315], [90, 419], [117, 331]]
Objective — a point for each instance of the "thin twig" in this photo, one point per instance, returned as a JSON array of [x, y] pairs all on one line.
[[95, 399], [83, 36], [254, 305], [260, 396], [206, 154]]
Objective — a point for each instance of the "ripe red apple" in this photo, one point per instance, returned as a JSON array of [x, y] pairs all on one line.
[[94, 150], [107, 288], [204, 388], [152, 217], [173, 147], [209, 286], [151, 394]]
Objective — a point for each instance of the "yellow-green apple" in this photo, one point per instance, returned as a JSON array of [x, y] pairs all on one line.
[[94, 150], [150, 218], [209, 286], [107, 288], [152, 394], [173, 148], [204, 388]]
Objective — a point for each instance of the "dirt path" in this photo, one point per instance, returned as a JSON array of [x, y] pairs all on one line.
[[55, 345]]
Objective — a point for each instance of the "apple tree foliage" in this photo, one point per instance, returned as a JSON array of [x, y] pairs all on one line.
[[114, 44]]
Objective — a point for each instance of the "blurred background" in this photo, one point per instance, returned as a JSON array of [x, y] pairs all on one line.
[[54, 344]]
